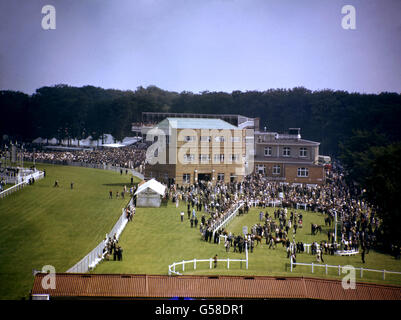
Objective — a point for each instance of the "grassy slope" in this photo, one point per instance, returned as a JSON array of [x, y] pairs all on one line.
[[42, 225], [156, 238]]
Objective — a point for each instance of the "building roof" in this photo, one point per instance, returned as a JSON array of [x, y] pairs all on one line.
[[228, 287], [288, 142], [152, 184], [196, 123]]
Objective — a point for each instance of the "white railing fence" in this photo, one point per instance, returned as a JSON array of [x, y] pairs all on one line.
[[338, 251], [36, 175], [229, 217], [340, 268], [90, 261], [270, 203], [301, 206], [92, 166], [172, 269]]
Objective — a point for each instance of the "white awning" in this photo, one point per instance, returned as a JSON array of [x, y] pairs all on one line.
[[154, 185]]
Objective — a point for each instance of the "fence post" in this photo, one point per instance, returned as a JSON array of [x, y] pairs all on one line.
[[183, 265], [326, 268], [210, 260], [312, 267], [194, 264], [384, 274], [291, 263], [228, 263], [361, 272], [339, 272]]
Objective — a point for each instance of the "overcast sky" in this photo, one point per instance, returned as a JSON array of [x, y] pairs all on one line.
[[197, 45]]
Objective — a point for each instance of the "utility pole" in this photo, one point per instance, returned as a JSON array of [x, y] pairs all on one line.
[[245, 232], [335, 227]]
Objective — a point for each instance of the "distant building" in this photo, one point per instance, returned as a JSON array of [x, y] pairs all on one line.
[[199, 149], [285, 158], [288, 158]]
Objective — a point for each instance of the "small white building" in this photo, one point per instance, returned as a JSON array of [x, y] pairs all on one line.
[[150, 193]]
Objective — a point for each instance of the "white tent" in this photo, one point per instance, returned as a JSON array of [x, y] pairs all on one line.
[[149, 194], [130, 140], [53, 141], [108, 139], [39, 140], [156, 186], [86, 142]]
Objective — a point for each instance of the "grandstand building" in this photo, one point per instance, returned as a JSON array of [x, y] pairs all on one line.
[[196, 150], [285, 158], [288, 158]]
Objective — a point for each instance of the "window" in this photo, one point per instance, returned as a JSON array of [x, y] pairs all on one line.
[[276, 169], [268, 151], [261, 169], [204, 158], [219, 139], [188, 157], [303, 172], [220, 177], [219, 158], [205, 138], [186, 178], [235, 157], [235, 139], [303, 152], [189, 138], [286, 151]]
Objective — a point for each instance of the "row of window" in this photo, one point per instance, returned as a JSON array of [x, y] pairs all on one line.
[[186, 177], [206, 157], [209, 138], [303, 152], [276, 169]]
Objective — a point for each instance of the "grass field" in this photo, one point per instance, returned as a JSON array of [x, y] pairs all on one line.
[[156, 238], [42, 225]]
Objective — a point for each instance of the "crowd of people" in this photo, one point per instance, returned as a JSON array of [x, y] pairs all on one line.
[[358, 226], [210, 204], [112, 248], [132, 157]]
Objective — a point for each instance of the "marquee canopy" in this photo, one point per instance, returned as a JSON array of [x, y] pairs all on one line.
[[152, 184]]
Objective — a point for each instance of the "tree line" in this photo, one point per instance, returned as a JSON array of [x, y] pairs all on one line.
[[362, 130], [327, 116]]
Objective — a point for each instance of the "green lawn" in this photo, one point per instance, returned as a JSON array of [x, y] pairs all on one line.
[[42, 225], [156, 238]]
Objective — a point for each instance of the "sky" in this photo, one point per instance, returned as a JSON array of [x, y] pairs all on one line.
[[202, 45]]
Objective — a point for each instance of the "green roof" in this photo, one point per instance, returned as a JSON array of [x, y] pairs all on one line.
[[196, 123]]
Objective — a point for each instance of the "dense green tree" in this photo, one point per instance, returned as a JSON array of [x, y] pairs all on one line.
[[15, 116], [383, 185]]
